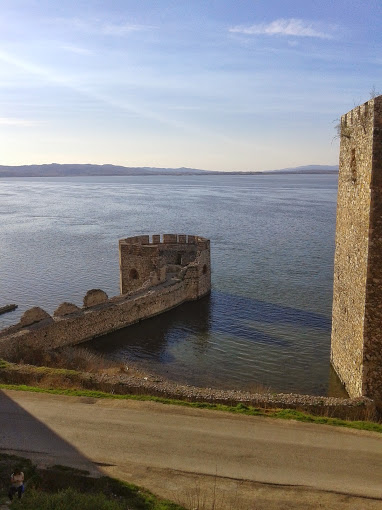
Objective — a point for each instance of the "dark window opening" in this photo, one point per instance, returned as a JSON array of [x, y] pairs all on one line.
[[205, 269], [179, 259], [133, 274], [353, 167]]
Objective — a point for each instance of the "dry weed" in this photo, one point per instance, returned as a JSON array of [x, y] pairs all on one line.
[[71, 358], [213, 495]]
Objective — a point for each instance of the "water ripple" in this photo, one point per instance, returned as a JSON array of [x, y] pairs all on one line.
[[272, 237]]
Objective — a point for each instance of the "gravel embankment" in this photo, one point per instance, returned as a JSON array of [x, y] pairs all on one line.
[[140, 384]]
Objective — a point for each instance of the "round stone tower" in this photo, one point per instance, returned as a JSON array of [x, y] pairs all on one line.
[[148, 261]]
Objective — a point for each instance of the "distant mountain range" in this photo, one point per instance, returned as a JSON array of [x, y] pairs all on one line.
[[308, 169], [68, 170]]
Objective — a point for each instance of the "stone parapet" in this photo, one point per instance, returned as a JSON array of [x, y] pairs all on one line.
[[165, 286], [166, 239]]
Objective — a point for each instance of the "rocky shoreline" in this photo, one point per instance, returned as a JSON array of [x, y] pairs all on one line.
[[360, 408]]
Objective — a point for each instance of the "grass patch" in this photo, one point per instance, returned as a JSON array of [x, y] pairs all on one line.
[[58, 371], [285, 414], [64, 488], [68, 499], [292, 414], [67, 469], [3, 363], [42, 369]]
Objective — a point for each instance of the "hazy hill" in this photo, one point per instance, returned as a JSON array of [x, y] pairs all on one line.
[[308, 169], [67, 170], [74, 170]]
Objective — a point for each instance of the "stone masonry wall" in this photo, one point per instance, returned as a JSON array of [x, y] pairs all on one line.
[[372, 359], [357, 294], [143, 259], [71, 325], [137, 263]]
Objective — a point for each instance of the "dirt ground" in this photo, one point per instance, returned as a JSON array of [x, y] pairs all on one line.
[[200, 492], [204, 460]]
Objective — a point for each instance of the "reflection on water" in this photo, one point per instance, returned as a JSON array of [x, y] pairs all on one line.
[[267, 321], [225, 340]]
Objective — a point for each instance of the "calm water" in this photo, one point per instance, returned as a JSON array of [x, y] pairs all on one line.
[[272, 239]]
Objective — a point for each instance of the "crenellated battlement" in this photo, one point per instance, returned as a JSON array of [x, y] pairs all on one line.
[[147, 260], [157, 273], [156, 239], [357, 114]]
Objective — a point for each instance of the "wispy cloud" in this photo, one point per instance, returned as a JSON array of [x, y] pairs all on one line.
[[98, 27], [10, 121], [70, 83], [289, 27], [122, 29], [184, 108], [76, 49]]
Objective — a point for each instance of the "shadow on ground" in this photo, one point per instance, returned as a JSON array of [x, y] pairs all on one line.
[[22, 434]]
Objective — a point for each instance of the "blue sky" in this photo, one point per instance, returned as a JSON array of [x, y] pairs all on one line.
[[219, 85]]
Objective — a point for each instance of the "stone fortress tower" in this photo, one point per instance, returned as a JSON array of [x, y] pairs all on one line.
[[156, 275], [146, 263], [356, 349]]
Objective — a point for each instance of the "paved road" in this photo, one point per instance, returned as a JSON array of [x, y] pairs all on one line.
[[143, 441]]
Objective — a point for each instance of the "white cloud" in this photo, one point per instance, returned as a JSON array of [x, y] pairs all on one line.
[[290, 27], [70, 83], [10, 121], [97, 26]]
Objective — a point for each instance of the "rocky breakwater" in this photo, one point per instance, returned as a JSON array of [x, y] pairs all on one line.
[[99, 314], [156, 275]]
